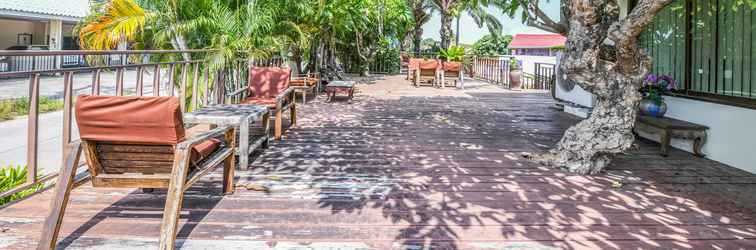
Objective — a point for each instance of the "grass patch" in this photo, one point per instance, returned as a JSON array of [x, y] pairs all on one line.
[[11, 177], [12, 108]]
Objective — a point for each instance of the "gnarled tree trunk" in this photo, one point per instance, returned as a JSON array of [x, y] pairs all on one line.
[[446, 29], [417, 40], [602, 56]]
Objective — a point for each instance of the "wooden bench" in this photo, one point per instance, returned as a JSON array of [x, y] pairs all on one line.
[[662, 130]]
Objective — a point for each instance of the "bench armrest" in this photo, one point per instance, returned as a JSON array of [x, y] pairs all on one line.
[[188, 143], [237, 92], [286, 92]]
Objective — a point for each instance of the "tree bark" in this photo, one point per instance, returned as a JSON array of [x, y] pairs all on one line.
[[602, 56], [417, 40], [446, 29]]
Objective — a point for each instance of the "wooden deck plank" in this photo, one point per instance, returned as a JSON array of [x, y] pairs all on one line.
[[442, 172]]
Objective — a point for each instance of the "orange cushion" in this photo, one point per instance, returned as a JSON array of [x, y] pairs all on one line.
[[452, 66], [203, 149], [130, 119], [268, 81], [307, 81], [429, 64], [263, 101]]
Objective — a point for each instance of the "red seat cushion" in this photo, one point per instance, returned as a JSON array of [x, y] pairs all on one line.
[[452, 66], [203, 149], [268, 81], [130, 119], [262, 101], [429, 64]]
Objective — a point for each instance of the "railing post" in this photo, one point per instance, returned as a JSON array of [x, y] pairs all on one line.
[[119, 82], [182, 89], [156, 81], [139, 81], [171, 72], [67, 105], [96, 82], [195, 87], [31, 153]]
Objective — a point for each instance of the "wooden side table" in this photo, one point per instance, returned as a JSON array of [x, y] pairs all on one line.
[[242, 117], [663, 129], [334, 87]]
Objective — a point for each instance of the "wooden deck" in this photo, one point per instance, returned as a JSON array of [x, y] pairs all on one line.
[[402, 171]]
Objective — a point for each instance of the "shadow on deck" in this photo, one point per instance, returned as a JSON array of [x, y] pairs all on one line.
[[418, 173]]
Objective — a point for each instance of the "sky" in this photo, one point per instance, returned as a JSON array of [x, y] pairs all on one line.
[[471, 33]]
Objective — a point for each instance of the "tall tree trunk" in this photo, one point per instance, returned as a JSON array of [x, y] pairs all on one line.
[[417, 39], [446, 29], [602, 56]]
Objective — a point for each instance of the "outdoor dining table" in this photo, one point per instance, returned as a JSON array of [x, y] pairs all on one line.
[[334, 87], [242, 117]]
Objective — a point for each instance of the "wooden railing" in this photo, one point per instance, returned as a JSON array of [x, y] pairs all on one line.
[[492, 69], [192, 81]]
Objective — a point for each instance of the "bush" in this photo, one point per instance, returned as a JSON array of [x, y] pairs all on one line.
[[17, 107], [492, 46], [11, 177]]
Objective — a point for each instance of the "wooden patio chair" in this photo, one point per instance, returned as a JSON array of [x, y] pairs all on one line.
[[270, 87], [452, 70], [140, 142], [412, 66], [428, 69], [307, 83]]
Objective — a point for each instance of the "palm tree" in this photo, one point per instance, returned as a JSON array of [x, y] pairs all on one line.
[[475, 8], [421, 13]]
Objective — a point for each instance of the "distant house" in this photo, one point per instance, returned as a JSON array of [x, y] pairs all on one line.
[[536, 44], [45, 24]]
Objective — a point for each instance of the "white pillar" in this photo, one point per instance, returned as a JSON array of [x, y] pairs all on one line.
[[55, 42]]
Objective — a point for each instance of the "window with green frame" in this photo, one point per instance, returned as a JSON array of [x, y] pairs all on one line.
[[717, 57]]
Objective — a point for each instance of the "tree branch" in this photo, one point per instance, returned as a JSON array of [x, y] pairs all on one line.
[[626, 30], [537, 18]]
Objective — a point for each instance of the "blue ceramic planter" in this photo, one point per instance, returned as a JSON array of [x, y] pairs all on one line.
[[650, 108]]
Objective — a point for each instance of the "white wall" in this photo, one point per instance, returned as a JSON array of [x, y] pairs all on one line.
[[9, 29], [528, 62], [731, 136]]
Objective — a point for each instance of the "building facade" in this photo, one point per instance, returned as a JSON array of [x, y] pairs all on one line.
[[536, 44]]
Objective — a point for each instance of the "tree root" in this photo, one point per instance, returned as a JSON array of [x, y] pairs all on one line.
[[559, 160]]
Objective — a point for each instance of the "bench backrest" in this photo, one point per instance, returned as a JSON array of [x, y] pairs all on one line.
[[129, 134], [268, 82]]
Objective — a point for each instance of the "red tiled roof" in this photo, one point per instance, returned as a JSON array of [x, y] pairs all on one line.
[[526, 41]]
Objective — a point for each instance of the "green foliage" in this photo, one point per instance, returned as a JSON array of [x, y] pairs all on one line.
[[387, 58], [453, 53], [492, 45], [11, 177], [17, 107]]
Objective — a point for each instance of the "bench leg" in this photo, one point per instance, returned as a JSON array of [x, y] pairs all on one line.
[[278, 124], [174, 199], [293, 113], [698, 143], [228, 164], [58, 204], [665, 141]]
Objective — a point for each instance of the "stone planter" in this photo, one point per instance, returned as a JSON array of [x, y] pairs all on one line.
[[650, 108], [515, 79]]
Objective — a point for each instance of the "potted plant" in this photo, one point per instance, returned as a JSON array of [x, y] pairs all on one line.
[[515, 73], [653, 88], [452, 54]]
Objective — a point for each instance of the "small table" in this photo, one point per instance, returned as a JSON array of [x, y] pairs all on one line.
[[662, 130], [339, 87], [241, 117]]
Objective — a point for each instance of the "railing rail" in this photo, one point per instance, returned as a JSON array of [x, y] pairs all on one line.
[[192, 81]]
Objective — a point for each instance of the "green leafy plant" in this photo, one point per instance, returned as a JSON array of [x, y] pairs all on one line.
[[515, 64], [454, 54], [17, 107], [657, 85], [11, 177], [492, 45]]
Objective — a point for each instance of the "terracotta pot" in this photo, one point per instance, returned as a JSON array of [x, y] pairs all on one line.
[[649, 107], [515, 79]]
